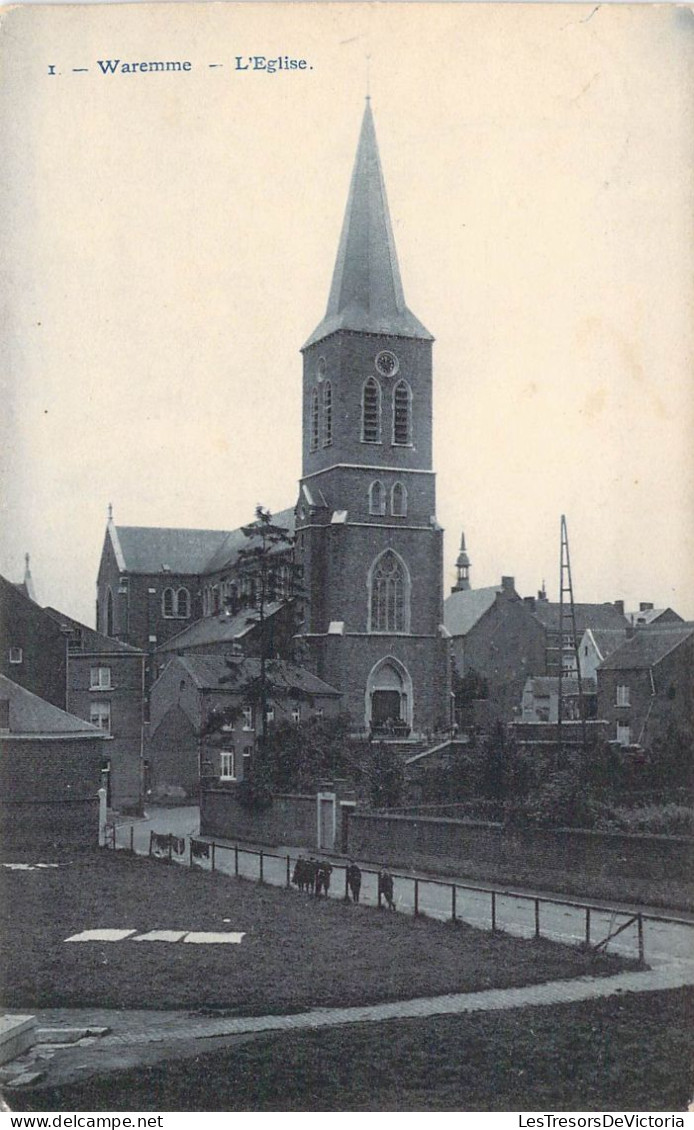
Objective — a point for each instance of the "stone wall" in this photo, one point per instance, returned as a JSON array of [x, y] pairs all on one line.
[[438, 843], [291, 819]]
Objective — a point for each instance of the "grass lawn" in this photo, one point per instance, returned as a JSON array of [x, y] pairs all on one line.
[[298, 952], [627, 1053]]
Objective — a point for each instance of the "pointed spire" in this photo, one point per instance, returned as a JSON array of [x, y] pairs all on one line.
[[28, 581], [462, 566], [109, 514], [366, 293]]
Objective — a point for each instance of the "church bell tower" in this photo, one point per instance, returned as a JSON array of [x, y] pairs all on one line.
[[367, 534]]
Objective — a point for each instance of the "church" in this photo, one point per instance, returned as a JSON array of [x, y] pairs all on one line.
[[369, 617]]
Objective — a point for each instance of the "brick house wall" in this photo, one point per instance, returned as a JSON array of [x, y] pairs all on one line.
[[657, 696], [25, 626]]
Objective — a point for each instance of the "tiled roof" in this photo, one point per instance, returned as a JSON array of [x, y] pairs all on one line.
[[587, 615], [218, 629], [647, 647], [226, 553], [31, 715], [148, 549], [211, 672], [462, 610], [91, 641], [549, 684], [608, 639]]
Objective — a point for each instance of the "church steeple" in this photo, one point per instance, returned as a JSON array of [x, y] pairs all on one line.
[[366, 295]]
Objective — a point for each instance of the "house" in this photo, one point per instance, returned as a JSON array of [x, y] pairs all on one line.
[[50, 773], [105, 686], [33, 650], [541, 699], [494, 635], [548, 614], [193, 689], [229, 633], [648, 614], [646, 685], [596, 644], [154, 583]]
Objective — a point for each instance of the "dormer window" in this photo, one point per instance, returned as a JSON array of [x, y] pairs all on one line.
[[16, 655]]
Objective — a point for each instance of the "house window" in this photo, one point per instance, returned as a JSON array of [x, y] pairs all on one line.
[[167, 602], [398, 501], [183, 604], [389, 595], [227, 765], [402, 414], [100, 678], [16, 655], [623, 696], [270, 714], [4, 713], [100, 715], [327, 414], [623, 733], [371, 412], [319, 714], [247, 714], [314, 419], [296, 715], [377, 498]]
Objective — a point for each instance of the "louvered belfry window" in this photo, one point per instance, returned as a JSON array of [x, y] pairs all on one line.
[[371, 412], [402, 415], [314, 419], [327, 414]]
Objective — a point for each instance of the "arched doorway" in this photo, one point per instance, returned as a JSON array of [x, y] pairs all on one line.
[[389, 697]]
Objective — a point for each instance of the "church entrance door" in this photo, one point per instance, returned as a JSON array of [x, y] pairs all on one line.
[[385, 707]]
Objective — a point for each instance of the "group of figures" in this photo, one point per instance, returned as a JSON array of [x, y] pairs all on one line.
[[313, 876]]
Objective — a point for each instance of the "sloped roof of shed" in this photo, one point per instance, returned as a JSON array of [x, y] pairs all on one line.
[[33, 716]]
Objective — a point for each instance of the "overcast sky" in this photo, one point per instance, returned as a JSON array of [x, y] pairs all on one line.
[[171, 238]]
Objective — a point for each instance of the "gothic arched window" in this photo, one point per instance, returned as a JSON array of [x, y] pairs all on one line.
[[377, 498], [183, 604], [327, 414], [314, 420], [371, 412], [109, 613], [167, 602], [398, 500], [389, 594], [402, 414]]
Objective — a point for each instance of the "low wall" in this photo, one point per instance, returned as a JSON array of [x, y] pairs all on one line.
[[291, 819], [43, 824], [429, 842]]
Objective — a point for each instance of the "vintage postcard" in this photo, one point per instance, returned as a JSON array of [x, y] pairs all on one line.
[[347, 529]]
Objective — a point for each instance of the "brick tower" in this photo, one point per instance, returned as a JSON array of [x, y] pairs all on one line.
[[367, 534]]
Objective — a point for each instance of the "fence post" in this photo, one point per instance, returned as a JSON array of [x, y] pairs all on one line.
[[132, 839], [170, 846], [213, 855], [493, 911], [587, 927], [236, 860], [151, 840], [346, 887], [640, 929], [260, 878], [537, 918], [416, 898], [190, 862], [289, 881], [453, 914]]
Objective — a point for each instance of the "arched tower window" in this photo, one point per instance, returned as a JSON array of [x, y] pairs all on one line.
[[402, 414], [109, 612], [398, 500], [314, 420], [167, 602], [371, 412], [183, 604], [377, 498], [327, 414], [389, 594]]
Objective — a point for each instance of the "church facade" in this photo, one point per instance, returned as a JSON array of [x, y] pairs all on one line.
[[367, 535]]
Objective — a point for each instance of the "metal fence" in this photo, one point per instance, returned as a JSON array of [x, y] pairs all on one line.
[[592, 926]]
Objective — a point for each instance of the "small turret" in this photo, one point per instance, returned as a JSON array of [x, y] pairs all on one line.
[[462, 566]]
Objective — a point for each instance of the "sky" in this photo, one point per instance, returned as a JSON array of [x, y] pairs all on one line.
[[170, 240]]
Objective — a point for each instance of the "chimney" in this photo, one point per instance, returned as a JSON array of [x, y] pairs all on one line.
[[646, 606], [529, 602], [619, 605], [508, 585]]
